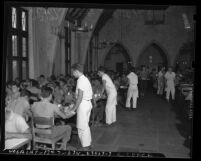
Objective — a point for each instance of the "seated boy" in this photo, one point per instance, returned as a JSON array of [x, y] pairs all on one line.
[[16, 126], [46, 109]]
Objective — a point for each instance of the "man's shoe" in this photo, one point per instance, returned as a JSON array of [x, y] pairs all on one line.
[[127, 108]]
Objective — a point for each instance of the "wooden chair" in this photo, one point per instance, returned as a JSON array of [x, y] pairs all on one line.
[[74, 132], [43, 138], [93, 114]]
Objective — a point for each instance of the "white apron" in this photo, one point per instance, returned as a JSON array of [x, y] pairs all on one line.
[[170, 89], [83, 115], [132, 93], [110, 109]]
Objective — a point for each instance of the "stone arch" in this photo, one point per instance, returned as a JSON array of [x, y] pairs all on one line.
[[124, 51], [121, 44], [157, 45]]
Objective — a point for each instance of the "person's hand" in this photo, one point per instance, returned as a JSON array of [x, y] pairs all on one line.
[[70, 114]]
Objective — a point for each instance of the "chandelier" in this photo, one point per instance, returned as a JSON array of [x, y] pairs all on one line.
[[80, 28], [104, 44]]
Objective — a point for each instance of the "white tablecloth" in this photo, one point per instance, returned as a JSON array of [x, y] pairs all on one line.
[[15, 143]]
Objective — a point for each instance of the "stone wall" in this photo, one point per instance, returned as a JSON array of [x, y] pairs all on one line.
[[136, 36]]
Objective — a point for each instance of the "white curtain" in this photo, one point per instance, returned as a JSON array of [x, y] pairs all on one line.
[[52, 39]]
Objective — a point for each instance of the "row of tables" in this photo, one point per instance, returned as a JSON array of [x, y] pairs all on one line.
[[184, 110]]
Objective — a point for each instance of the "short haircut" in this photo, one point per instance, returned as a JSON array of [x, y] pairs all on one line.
[[101, 69], [9, 83], [78, 67], [132, 69], [63, 80], [46, 91], [34, 83], [57, 84], [42, 76], [24, 93], [14, 83]]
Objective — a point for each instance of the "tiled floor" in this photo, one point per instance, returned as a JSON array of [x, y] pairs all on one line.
[[152, 128]]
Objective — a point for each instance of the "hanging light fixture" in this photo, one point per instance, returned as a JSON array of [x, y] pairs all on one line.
[[79, 28]]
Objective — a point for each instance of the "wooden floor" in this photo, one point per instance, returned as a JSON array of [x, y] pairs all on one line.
[[151, 128]]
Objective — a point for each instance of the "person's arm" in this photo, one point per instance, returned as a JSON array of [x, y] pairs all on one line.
[[104, 87], [79, 99], [62, 115]]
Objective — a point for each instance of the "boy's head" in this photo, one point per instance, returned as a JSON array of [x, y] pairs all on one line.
[[25, 93], [169, 69], [101, 71], [77, 70], [46, 93], [62, 82], [15, 87], [42, 78]]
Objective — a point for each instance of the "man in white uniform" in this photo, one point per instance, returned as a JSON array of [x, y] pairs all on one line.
[[83, 106], [170, 83], [132, 89], [108, 85]]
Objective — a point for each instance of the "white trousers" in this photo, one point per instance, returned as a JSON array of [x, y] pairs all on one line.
[[110, 109], [132, 93], [83, 116], [170, 89]]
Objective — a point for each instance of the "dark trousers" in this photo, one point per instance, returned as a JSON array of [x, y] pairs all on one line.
[[143, 86]]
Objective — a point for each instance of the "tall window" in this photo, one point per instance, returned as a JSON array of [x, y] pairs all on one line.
[[154, 17], [17, 40], [68, 50]]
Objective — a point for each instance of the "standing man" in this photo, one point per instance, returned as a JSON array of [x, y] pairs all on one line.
[[83, 106], [108, 85], [132, 89], [170, 83], [160, 84], [144, 80]]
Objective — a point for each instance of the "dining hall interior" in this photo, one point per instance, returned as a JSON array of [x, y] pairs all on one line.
[[54, 51]]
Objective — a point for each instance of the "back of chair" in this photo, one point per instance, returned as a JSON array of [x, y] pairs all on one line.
[[42, 125], [43, 121]]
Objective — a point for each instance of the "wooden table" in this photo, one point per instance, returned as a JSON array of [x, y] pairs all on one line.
[[16, 143]]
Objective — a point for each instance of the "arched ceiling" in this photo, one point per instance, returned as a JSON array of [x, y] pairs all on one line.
[[76, 14]]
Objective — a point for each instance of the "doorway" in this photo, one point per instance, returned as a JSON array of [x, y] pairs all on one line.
[[153, 56]]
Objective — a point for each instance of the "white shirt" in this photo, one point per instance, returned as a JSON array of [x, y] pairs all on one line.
[[16, 124], [19, 106], [133, 79], [109, 84], [170, 78], [84, 85], [160, 74]]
